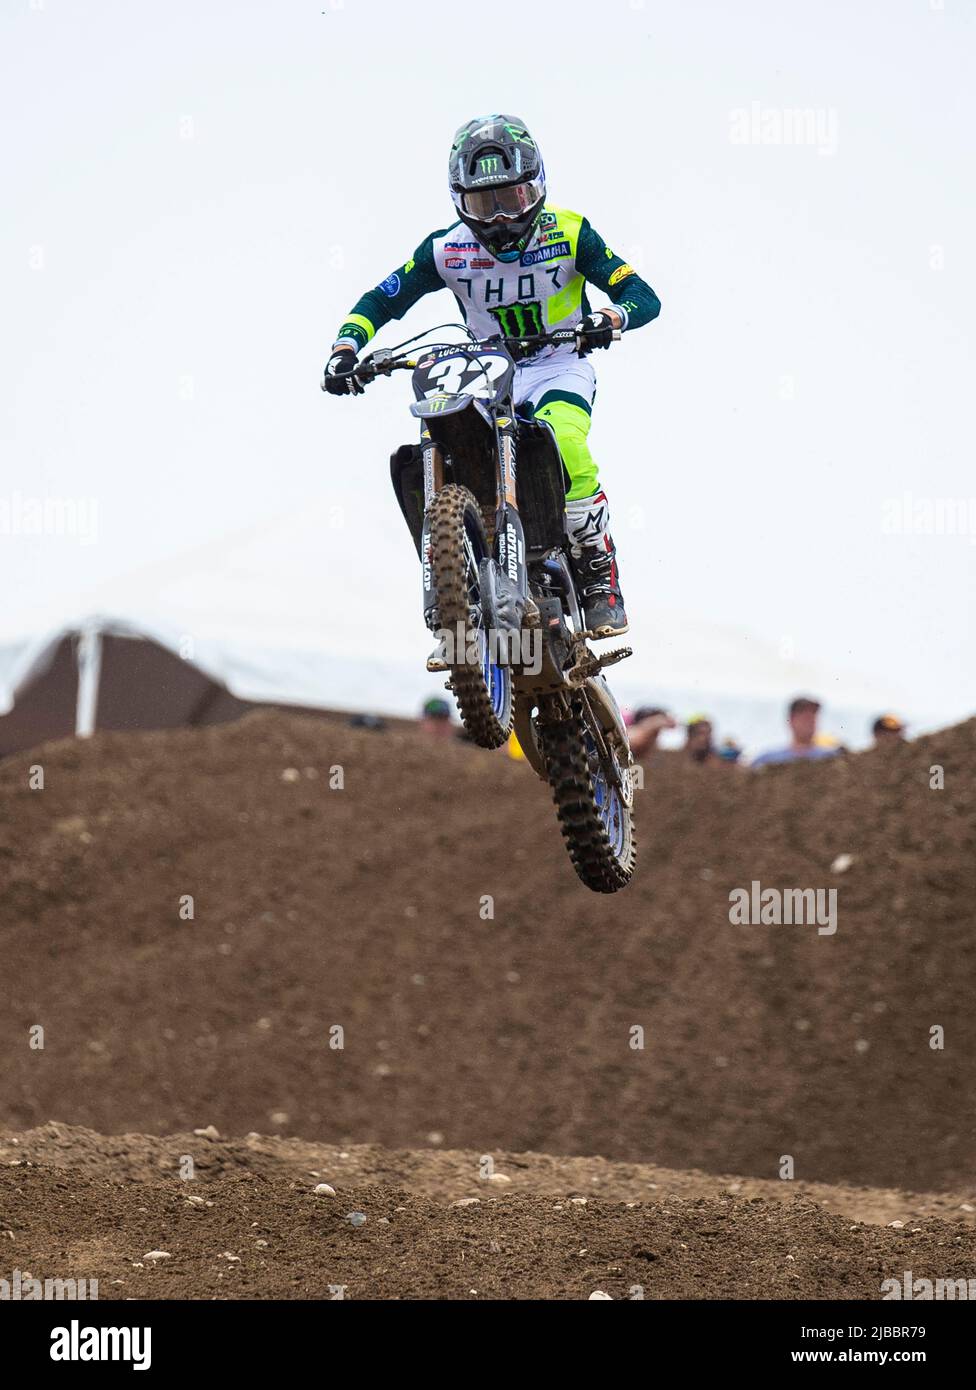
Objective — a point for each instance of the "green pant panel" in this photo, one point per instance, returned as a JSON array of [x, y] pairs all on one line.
[[568, 415]]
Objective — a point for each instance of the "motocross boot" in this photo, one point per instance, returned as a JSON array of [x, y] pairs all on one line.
[[593, 557]]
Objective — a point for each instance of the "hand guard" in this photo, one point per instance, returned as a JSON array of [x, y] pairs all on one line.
[[339, 379], [596, 331]]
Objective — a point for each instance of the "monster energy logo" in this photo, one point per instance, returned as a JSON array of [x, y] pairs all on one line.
[[489, 165], [519, 320]]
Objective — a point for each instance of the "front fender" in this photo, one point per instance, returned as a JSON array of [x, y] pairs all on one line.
[[435, 407]]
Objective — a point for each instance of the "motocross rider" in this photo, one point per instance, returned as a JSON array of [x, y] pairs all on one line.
[[518, 266]]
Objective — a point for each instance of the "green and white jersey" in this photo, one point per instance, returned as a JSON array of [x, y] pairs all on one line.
[[543, 290]]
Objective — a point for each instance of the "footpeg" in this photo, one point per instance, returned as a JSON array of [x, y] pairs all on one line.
[[589, 664], [600, 634]]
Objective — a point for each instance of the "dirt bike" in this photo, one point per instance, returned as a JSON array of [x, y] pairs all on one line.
[[484, 497]]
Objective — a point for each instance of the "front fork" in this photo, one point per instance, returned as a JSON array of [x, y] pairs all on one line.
[[433, 482], [509, 536]]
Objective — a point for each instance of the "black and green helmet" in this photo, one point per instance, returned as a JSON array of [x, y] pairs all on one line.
[[498, 183]]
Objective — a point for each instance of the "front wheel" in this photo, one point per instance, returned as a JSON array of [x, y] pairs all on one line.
[[482, 687], [593, 800]]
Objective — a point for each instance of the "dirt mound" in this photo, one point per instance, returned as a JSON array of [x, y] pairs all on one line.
[[363, 909], [246, 1222], [445, 1175]]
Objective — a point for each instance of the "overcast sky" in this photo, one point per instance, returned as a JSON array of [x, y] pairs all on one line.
[[194, 194]]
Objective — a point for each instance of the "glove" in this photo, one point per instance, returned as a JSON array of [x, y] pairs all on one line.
[[338, 379], [596, 331]]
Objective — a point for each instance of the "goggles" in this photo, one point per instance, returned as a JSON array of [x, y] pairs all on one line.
[[508, 202]]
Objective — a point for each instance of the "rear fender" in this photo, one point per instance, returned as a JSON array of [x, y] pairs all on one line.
[[611, 721]]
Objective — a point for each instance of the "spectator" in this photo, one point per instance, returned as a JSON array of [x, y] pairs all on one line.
[[887, 729], [802, 717], [830, 742], [730, 751], [698, 744], [368, 721], [435, 718], [646, 727]]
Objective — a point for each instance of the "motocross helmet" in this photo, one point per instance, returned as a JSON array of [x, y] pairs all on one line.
[[498, 183]]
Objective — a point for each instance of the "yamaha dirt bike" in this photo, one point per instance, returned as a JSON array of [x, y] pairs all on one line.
[[499, 591]]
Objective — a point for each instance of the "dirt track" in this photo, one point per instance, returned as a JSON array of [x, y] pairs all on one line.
[[249, 1224], [360, 908]]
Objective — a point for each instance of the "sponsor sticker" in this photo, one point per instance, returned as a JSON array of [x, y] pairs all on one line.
[[548, 219], [550, 252], [455, 262], [460, 246], [511, 552], [481, 263], [391, 285], [621, 273]]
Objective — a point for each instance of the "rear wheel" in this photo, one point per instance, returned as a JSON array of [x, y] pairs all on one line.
[[482, 687], [593, 801]]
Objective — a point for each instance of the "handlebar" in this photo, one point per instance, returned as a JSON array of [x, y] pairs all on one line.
[[384, 361]]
